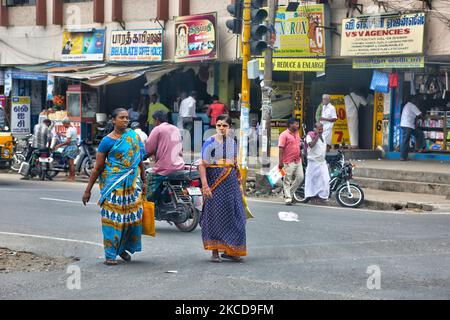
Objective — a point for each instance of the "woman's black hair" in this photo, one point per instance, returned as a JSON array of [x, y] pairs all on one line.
[[226, 118], [116, 112]]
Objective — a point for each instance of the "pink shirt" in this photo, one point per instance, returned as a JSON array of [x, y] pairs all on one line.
[[165, 142], [290, 143]]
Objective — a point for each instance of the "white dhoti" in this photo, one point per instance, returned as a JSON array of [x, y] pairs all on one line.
[[352, 121], [328, 134], [317, 180]]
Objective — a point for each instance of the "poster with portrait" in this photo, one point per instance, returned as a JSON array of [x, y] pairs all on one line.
[[196, 38]]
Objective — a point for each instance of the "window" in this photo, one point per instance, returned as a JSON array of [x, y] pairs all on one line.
[[72, 1], [12, 3]]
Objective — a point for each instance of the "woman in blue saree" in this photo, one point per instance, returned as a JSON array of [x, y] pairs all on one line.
[[223, 219], [122, 186]]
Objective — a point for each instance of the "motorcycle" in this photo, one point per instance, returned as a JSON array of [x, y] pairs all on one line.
[[84, 163], [348, 194], [180, 201], [20, 152]]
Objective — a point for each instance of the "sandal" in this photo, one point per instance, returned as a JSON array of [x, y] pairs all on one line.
[[125, 256], [232, 258], [110, 262]]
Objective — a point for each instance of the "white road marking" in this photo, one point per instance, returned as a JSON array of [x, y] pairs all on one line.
[[37, 189], [67, 201], [50, 238]]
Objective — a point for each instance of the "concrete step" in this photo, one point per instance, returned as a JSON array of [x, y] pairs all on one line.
[[403, 175], [362, 154], [404, 186]]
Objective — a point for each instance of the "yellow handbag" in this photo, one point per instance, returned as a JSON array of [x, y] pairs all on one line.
[[148, 219]]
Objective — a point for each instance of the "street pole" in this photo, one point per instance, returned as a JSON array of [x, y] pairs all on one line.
[[266, 110], [245, 92]]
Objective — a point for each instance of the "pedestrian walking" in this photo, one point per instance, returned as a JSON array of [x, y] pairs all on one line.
[[409, 125], [70, 151], [317, 176], [223, 219], [290, 159], [187, 112], [326, 114], [215, 109], [122, 186]]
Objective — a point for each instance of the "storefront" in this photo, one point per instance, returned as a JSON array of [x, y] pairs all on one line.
[[391, 47]]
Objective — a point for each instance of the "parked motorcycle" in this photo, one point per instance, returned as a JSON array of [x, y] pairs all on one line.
[[20, 152], [348, 194], [181, 200], [84, 162]]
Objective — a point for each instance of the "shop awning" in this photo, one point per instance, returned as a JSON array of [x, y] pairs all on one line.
[[153, 76], [113, 74]]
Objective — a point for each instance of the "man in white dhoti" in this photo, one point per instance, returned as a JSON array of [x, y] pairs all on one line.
[[326, 114], [352, 103], [317, 176]]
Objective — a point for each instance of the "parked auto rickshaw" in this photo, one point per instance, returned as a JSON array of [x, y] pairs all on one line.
[[6, 141]]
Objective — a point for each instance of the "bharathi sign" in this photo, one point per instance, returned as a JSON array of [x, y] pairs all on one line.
[[383, 35]]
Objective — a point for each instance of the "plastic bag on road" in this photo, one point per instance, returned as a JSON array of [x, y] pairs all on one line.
[[288, 216]]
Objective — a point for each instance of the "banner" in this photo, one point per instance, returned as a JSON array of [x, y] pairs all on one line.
[[2, 112], [298, 33], [389, 62], [378, 116], [340, 128], [8, 82], [83, 46], [383, 35], [50, 87], [21, 115], [196, 38], [137, 46], [280, 64]]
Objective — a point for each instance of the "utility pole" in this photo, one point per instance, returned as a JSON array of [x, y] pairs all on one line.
[[245, 93], [266, 110]]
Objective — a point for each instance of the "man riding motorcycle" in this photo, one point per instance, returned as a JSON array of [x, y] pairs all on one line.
[[164, 143]]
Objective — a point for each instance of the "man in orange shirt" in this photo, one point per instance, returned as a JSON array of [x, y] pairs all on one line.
[[216, 109]]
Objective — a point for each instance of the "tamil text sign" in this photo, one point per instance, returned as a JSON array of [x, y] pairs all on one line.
[[21, 115], [137, 46], [389, 62], [196, 38], [83, 46], [299, 33], [383, 35]]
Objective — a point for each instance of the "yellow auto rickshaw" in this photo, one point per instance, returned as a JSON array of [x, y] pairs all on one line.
[[6, 141]]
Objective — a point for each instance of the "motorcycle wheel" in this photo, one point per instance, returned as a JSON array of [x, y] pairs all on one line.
[[87, 166], [352, 200], [191, 223], [299, 194], [18, 158]]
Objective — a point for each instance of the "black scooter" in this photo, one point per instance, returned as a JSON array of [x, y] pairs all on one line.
[[180, 200]]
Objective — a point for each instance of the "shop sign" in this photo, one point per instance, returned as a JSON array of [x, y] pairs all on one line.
[[21, 115], [279, 64], [383, 35], [2, 111], [378, 119], [8, 82], [137, 46], [389, 62], [340, 128], [27, 75], [298, 33], [196, 38], [50, 87], [83, 46]]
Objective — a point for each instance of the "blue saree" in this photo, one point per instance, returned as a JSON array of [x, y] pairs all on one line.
[[121, 195], [223, 219]]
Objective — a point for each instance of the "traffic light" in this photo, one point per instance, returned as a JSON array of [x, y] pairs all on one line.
[[258, 29], [236, 10]]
